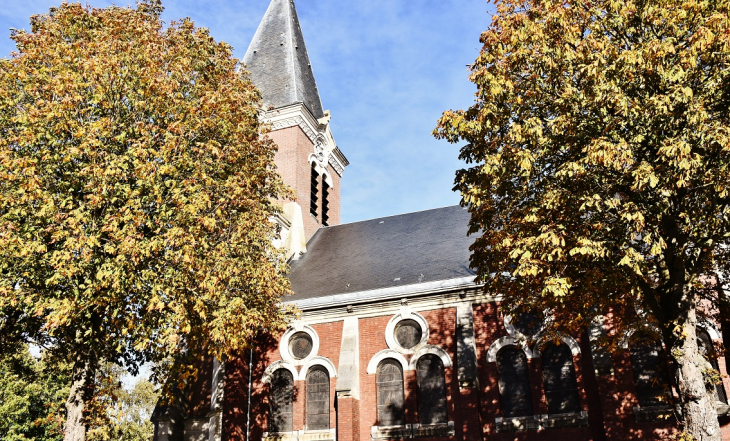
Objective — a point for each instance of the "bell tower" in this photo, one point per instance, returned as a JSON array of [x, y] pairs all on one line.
[[308, 159]]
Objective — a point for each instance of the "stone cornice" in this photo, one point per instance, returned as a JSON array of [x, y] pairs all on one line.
[[418, 297], [319, 133]]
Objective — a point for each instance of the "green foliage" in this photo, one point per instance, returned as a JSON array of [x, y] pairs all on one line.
[[32, 395], [121, 413]]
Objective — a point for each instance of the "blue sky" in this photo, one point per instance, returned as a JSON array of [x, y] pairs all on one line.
[[386, 69]]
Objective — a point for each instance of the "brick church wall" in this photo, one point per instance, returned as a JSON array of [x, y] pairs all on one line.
[[292, 164], [609, 399]]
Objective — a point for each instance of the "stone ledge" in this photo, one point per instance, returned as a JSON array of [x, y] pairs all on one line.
[[653, 413], [391, 432], [434, 430], [564, 420], [317, 435], [517, 424], [281, 436], [302, 435], [407, 431], [542, 422], [723, 409]]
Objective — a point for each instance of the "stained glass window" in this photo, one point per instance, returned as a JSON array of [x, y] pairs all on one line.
[[431, 390], [391, 399], [514, 385]]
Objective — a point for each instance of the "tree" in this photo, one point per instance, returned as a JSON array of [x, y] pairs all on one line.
[[136, 191], [600, 176], [122, 412], [32, 396]]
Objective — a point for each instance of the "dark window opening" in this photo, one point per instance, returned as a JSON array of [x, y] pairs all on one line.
[[431, 390], [391, 399], [650, 372], [707, 349], [314, 192], [529, 322], [408, 333], [281, 401], [318, 399], [514, 385], [561, 387], [325, 203]]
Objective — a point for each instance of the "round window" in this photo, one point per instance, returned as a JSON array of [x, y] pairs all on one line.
[[408, 333], [300, 345], [529, 323]]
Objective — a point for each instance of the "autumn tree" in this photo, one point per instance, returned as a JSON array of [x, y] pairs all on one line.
[[136, 189], [599, 146]]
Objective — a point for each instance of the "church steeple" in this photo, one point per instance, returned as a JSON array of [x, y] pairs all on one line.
[[278, 61]]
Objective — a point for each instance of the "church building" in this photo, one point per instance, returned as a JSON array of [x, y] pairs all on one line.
[[395, 339]]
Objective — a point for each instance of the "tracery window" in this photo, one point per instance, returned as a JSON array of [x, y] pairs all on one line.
[[314, 191], [431, 390], [561, 387], [391, 399], [318, 399], [704, 342], [281, 401], [650, 371], [514, 385]]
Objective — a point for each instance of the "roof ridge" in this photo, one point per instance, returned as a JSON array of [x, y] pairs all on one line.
[[393, 215]]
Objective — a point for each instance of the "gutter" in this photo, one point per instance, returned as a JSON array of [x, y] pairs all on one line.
[[375, 295]]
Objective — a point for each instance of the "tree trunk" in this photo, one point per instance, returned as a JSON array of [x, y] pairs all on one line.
[[724, 306], [697, 404], [82, 391]]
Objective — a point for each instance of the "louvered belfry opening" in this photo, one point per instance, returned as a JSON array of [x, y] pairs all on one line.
[[391, 398], [314, 192], [561, 387], [707, 349], [325, 203], [514, 385], [431, 390], [650, 372], [318, 399], [281, 401]]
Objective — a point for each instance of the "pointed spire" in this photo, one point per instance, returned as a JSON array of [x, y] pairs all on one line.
[[278, 61]]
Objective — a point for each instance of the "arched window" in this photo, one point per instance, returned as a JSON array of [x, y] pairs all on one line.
[[325, 202], [558, 373], [650, 371], [281, 400], [431, 390], [318, 399], [707, 349], [514, 386], [391, 400], [314, 191]]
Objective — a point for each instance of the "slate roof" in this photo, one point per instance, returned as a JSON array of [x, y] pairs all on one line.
[[278, 61], [406, 249]]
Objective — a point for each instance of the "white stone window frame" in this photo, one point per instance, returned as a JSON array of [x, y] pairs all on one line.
[[324, 362], [430, 349], [390, 339], [650, 328], [565, 338], [275, 366], [505, 341], [287, 356], [384, 355]]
